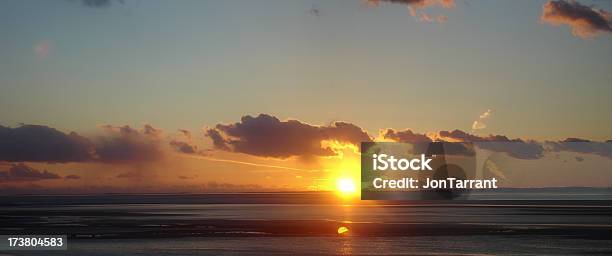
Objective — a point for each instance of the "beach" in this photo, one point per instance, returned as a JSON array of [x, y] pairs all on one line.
[[267, 223]]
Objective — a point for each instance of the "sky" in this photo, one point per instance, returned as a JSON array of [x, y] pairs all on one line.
[[540, 69]]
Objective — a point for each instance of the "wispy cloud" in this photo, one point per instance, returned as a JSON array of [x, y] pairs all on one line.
[[479, 124], [416, 8], [486, 114], [207, 158]]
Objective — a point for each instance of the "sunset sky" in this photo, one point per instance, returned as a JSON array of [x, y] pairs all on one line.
[[166, 96]]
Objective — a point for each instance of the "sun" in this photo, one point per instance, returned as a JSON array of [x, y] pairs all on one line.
[[346, 187]]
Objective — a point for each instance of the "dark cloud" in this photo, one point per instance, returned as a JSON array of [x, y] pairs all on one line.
[[39, 143], [405, 136], [578, 145], [72, 177], [568, 140], [21, 172], [517, 148], [126, 144], [184, 147], [217, 139], [585, 21], [184, 143], [267, 136]]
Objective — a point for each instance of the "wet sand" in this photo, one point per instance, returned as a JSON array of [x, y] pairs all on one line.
[[270, 217]]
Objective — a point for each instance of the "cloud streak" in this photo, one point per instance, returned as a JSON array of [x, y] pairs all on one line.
[[247, 163]]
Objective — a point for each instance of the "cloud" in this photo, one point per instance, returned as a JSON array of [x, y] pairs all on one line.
[[585, 21], [263, 135], [21, 172], [126, 144], [415, 5], [184, 147], [404, 136], [217, 139], [516, 148], [267, 136], [478, 125], [39, 143], [486, 114], [578, 145], [72, 177], [184, 143]]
